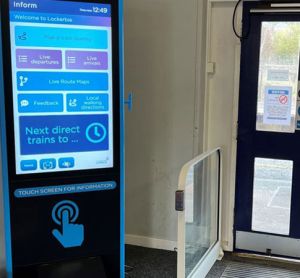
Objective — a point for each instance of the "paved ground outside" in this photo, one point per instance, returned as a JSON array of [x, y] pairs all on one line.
[[272, 196]]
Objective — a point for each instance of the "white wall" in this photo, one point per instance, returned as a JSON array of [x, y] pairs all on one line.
[[160, 68], [165, 62]]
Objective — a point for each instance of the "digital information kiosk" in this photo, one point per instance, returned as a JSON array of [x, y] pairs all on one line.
[[62, 182]]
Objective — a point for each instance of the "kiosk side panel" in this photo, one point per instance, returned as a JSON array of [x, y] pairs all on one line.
[[5, 238], [122, 137]]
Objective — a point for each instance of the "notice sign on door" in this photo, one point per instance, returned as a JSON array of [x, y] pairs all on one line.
[[278, 105]]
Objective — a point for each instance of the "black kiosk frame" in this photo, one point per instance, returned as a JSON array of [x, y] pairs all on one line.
[[62, 180]]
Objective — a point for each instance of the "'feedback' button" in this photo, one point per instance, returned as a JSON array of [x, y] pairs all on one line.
[[39, 103]]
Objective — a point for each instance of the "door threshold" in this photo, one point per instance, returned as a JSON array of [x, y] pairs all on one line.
[[266, 258]]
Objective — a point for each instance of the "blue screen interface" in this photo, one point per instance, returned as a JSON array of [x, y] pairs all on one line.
[[61, 55]]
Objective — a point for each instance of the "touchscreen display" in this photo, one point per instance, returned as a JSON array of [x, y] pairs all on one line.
[[61, 55]]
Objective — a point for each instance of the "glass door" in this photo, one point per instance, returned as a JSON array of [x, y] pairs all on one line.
[[268, 160], [198, 203]]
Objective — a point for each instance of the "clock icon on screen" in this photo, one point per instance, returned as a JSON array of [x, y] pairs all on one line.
[[96, 133]]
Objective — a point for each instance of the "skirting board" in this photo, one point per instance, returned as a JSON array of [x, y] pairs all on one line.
[[149, 242]]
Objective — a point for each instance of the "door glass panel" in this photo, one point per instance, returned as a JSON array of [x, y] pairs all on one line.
[[272, 196], [278, 76], [201, 210]]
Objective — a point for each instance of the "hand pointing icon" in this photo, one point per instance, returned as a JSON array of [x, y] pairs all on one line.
[[71, 235]]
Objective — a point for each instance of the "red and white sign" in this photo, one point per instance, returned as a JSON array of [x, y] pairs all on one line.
[[283, 99], [278, 105]]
